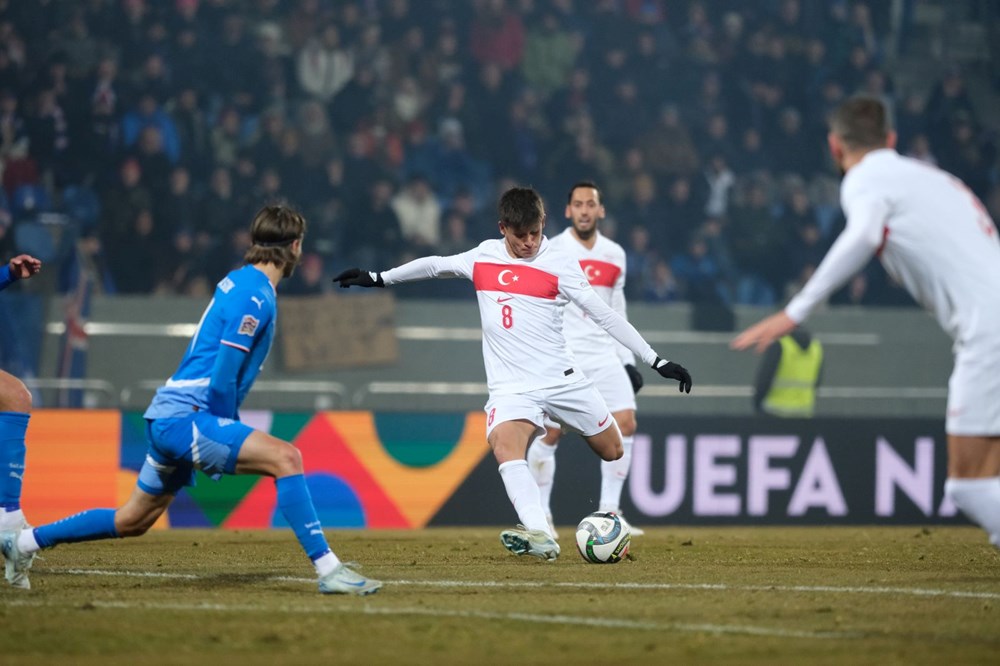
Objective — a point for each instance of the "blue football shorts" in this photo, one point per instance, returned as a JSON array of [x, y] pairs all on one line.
[[179, 446]]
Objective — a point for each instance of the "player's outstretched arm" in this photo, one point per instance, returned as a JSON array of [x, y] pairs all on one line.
[[424, 268], [621, 330], [763, 333], [355, 277], [671, 370], [24, 266], [20, 267]]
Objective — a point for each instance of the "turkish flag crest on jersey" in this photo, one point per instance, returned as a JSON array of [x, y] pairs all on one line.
[[513, 279], [600, 273]]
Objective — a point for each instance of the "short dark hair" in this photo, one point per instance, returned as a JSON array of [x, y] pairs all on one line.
[[583, 183], [861, 122], [520, 208], [273, 231]]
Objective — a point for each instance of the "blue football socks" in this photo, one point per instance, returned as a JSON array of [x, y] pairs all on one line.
[[296, 506], [13, 425], [86, 526]]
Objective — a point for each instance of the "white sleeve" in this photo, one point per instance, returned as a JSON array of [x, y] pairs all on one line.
[[456, 265], [867, 215], [581, 293], [618, 305]]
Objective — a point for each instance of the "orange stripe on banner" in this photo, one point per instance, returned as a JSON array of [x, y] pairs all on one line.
[[72, 462], [418, 492]]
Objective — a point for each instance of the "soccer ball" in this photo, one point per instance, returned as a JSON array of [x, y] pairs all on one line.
[[603, 538]]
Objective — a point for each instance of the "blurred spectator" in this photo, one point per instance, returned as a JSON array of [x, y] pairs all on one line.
[[549, 53], [192, 130], [373, 235], [698, 276], [456, 235], [719, 180], [661, 287], [148, 113], [497, 34], [668, 148], [324, 67], [218, 213], [136, 256], [758, 242], [683, 209], [967, 155], [419, 214], [308, 279], [639, 257], [121, 204], [948, 101], [643, 208], [919, 148]]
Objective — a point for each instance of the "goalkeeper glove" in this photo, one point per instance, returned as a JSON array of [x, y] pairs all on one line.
[[355, 277], [634, 377], [672, 370]]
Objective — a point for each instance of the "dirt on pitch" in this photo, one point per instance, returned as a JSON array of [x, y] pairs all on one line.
[[454, 596]]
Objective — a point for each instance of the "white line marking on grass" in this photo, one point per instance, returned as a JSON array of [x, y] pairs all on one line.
[[572, 620], [717, 587]]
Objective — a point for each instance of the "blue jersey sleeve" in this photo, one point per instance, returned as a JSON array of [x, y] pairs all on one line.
[[6, 277], [247, 318]]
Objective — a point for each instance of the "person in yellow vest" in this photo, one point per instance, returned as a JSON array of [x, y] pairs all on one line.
[[788, 375]]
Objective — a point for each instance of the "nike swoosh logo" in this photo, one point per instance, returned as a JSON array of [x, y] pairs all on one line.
[[604, 421], [361, 584], [504, 300]]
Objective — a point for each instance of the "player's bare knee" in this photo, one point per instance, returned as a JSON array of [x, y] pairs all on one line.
[[627, 426], [613, 452], [289, 460], [14, 395]]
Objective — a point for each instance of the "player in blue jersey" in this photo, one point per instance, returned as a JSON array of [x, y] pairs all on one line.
[[15, 410], [193, 421]]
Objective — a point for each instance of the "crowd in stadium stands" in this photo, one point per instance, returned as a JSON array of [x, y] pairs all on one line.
[[153, 128]]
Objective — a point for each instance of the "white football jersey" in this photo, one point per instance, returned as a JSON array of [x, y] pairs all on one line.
[[932, 235], [521, 303], [604, 266]]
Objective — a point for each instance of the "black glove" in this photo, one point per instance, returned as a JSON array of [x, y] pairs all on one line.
[[355, 277], [671, 370], [634, 377]]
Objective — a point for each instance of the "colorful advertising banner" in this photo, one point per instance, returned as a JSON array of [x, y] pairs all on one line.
[[408, 470]]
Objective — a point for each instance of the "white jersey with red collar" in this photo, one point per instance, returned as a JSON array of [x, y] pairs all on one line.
[[604, 266], [521, 303], [932, 235]]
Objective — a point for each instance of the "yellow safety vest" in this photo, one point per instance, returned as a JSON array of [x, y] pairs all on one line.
[[793, 391]]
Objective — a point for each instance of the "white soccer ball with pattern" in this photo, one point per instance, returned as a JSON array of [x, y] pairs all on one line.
[[603, 538]]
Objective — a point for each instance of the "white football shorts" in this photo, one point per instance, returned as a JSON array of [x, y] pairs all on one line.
[[577, 407], [974, 392], [609, 376]]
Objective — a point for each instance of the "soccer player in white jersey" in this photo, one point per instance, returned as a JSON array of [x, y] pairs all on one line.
[[608, 363], [935, 237], [523, 285]]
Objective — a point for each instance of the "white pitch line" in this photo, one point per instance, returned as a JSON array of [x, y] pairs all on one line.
[[717, 587], [572, 620]]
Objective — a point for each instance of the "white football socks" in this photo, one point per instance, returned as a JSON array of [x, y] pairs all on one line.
[[523, 493], [26, 542], [542, 464], [11, 520], [613, 475], [979, 500], [326, 563]]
